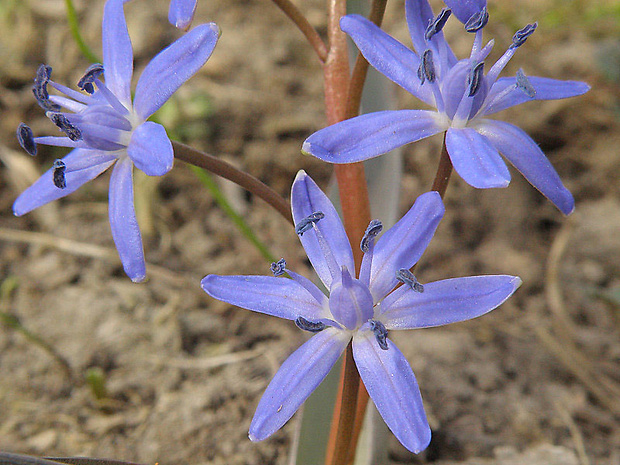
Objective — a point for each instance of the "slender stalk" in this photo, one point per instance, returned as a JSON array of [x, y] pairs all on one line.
[[304, 26], [75, 32], [444, 170], [221, 168]]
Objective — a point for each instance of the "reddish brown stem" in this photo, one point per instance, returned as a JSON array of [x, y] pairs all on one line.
[[444, 170]]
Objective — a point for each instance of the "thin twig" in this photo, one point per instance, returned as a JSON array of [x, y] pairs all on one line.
[[304, 26], [444, 170]]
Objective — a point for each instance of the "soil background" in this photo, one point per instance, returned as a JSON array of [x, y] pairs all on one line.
[[535, 381]]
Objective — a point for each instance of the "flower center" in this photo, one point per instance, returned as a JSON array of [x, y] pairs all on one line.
[[350, 301]]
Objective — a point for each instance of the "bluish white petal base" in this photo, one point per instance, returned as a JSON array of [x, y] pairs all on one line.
[[298, 376], [150, 149]]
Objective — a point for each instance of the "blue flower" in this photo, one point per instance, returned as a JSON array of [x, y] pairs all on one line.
[[362, 309], [462, 95], [105, 128], [181, 13]]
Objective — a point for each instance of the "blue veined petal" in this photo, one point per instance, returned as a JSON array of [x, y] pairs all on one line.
[[404, 243], [475, 159], [392, 386], [87, 165], [117, 51], [181, 13], [279, 297], [447, 301], [387, 55], [368, 136], [329, 248], [150, 149], [298, 376], [465, 9], [123, 222], [525, 155], [172, 67], [499, 98]]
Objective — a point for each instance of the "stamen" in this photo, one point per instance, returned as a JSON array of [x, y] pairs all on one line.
[[380, 333], [406, 277], [278, 268], [26, 139], [59, 167], [477, 20], [39, 89], [65, 126], [436, 25], [306, 325], [373, 229], [474, 79], [522, 34], [524, 84], [92, 73], [426, 70], [306, 223]]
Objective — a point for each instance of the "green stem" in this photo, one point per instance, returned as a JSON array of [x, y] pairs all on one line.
[[72, 19]]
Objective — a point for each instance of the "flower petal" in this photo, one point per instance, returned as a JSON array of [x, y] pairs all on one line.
[[394, 390], [475, 159], [125, 230], [82, 165], [404, 243], [546, 89], [447, 301], [368, 136], [150, 149], [298, 376], [117, 51], [333, 244], [465, 9], [526, 156], [181, 13], [172, 67], [387, 55], [279, 297]]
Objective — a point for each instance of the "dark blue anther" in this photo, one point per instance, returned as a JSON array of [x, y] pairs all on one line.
[[65, 126], [374, 228], [524, 84], [39, 89], [406, 277], [475, 78], [92, 73], [306, 223], [522, 34], [278, 268], [59, 167], [436, 25], [26, 139], [426, 70], [477, 21], [306, 325], [380, 333]]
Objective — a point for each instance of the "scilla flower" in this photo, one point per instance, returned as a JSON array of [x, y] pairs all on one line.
[[362, 309], [462, 95], [104, 127]]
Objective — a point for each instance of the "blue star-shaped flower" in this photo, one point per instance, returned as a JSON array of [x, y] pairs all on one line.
[[361, 309], [104, 127], [462, 95], [181, 13]]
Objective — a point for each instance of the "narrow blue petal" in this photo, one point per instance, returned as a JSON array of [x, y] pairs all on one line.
[[298, 376], [368, 136], [181, 13], [279, 297], [387, 55], [404, 243], [150, 149], [447, 301], [546, 89], [117, 51], [88, 164], [465, 9], [475, 159], [392, 386], [525, 155], [330, 244], [123, 222], [172, 67]]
